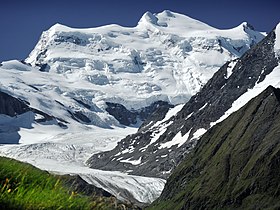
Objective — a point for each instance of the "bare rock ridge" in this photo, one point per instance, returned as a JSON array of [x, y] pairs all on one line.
[[145, 153], [235, 165]]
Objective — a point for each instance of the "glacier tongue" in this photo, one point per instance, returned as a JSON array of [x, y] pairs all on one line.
[[136, 189], [68, 153]]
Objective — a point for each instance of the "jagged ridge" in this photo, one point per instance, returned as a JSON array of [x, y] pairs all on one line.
[[234, 165]]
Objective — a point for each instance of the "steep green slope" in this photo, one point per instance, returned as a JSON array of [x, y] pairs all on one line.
[[23, 186], [236, 164]]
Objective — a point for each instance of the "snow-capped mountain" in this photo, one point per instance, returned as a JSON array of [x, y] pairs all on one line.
[[162, 142], [80, 88], [74, 74], [167, 56]]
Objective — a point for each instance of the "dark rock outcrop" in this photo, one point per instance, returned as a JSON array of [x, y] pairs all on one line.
[[12, 106], [44, 67], [121, 114], [131, 117], [82, 103], [79, 116], [235, 164]]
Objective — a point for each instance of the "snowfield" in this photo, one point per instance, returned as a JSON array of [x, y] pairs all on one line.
[[167, 56]]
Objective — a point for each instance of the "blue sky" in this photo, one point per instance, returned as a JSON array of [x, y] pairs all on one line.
[[22, 22]]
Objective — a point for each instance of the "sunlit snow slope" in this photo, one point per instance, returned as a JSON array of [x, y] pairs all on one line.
[[167, 56]]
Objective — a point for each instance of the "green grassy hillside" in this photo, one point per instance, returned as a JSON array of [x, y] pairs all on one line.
[[236, 164], [23, 186]]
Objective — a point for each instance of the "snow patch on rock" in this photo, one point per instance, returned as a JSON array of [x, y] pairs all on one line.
[[230, 67], [178, 140], [272, 79]]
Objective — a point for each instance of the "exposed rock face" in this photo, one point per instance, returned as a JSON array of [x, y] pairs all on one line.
[[123, 115], [235, 164], [79, 117], [130, 117], [216, 97], [12, 106]]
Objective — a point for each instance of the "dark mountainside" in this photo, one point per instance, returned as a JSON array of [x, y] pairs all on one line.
[[235, 164], [205, 107]]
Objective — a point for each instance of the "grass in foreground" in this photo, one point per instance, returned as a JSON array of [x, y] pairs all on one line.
[[22, 186]]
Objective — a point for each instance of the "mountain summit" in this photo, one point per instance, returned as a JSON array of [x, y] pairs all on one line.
[[167, 21]]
